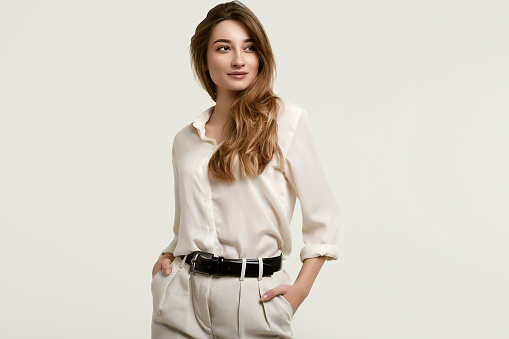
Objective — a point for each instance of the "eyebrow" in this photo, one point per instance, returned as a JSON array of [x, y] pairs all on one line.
[[229, 41]]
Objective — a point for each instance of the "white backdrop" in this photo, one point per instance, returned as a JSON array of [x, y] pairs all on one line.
[[408, 101]]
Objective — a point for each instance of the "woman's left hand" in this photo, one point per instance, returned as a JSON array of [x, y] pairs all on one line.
[[292, 293]]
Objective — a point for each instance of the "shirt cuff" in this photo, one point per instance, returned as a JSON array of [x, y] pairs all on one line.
[[169, 249], [318, 250]]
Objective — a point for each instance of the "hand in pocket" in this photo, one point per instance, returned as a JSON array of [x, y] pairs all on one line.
[[164, 264]]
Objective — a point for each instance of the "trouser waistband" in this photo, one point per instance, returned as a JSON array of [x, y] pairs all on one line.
[[207, 263]]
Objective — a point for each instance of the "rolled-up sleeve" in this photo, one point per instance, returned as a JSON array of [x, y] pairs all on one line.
[[320, 212], [176, 223]]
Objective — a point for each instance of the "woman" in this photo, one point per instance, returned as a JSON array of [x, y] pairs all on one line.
[[238, 169]]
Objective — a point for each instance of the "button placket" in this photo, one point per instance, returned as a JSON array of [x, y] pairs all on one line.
[[207, 197], [203, 167]]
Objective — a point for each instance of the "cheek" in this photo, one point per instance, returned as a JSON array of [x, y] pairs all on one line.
[[215, 64], [256, 67], [256, 63]]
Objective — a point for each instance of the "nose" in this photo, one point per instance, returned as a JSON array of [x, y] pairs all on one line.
[[238, 59]]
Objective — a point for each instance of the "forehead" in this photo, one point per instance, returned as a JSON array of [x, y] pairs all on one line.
[[231, 30]]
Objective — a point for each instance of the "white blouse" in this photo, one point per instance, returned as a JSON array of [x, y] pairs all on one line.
[[251, 217]]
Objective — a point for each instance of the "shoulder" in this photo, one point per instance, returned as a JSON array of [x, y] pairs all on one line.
[[194, 127], [289, 117], [183, 138], [288, 110], [182, 132], [179, 136]]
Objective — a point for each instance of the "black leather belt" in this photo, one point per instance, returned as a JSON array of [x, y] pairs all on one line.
[[207, 263]]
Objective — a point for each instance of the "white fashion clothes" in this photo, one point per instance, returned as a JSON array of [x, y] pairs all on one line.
[[251, 217], [206, 306]]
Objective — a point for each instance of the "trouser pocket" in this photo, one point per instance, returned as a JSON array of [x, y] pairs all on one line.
[[287, 305], [278, 310], [282, 278], [161, 284]]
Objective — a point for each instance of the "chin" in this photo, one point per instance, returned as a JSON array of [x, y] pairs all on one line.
[[237, 88]]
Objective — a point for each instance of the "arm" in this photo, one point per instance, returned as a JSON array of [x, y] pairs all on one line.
[[166, 256], [320, 213], [307, 275]]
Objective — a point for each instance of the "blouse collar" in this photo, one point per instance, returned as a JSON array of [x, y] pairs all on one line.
[[200, 121]]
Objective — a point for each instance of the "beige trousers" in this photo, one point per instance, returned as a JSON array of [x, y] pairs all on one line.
[[206, 306]]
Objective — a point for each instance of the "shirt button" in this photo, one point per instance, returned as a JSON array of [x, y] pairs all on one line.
[[203, 167], [211, 228], [205, 199]]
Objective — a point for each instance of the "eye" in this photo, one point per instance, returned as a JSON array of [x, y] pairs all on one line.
[[219, 49], [251, 47]]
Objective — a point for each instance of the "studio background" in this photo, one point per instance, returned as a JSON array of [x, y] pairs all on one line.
[[408, 102]]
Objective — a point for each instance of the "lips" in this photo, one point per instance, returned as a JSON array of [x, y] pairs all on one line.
[[238, 75]]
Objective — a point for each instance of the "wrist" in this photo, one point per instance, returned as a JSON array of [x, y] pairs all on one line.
[[167, 256]]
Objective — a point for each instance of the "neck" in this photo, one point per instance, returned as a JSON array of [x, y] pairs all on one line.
[[224, 101]]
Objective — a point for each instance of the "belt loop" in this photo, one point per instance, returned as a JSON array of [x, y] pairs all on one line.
[[243, 271], [260, 268], [183, 261]]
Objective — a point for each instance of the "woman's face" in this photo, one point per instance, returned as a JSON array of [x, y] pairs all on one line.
[[231, 49]]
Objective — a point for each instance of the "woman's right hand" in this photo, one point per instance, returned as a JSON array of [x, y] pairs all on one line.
[[164, 263]]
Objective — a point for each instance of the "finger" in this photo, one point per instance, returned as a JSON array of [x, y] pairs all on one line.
[[281, 289], [155, 269], [166, 266]]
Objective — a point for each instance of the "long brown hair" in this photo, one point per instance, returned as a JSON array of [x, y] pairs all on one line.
[[252, 129]]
